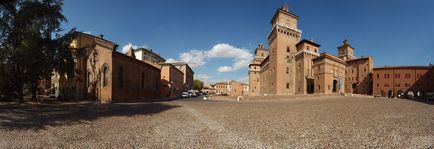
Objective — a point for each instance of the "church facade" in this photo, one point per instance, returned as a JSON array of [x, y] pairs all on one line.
[[293, 65]]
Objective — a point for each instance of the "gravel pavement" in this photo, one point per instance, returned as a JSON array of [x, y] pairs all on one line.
[[308, 122]]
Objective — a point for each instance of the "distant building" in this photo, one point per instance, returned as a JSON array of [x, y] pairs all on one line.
[[103, 74], [236, 89], [172, 81], [246, 89], [148, 56], [209, 89], [231, 88], [188, 74], [394, 81], [222, 88]]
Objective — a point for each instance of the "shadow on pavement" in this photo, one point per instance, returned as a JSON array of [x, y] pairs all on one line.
[[50, 115]]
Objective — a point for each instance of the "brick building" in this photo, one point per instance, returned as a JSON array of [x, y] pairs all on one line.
[[329, 74], [172, 81], [148, 56], [208, 89], [106, 75], [236, 89], [403, 80], [222, 88], [246, 89], [254, 70], [188, 74], [294, 66]]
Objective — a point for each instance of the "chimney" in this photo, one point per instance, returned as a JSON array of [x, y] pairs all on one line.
[[311, 39], [131, 52], [346, 42], [285, 7]]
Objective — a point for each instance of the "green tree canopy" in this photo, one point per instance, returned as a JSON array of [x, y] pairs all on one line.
[[31, 45], [198, 85]]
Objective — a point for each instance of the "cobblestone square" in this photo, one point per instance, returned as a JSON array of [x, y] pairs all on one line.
[[301, 122]]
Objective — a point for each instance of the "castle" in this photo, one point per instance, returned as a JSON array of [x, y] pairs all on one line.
[[293, 65]]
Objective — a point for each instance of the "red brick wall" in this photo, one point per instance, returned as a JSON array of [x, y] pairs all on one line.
[[139, 81], [396, 79]]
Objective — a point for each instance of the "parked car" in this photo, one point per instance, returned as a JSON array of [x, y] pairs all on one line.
[[185, 95]]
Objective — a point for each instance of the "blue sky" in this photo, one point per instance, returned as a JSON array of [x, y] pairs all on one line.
[[221, 33]]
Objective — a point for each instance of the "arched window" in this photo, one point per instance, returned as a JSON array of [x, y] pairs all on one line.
[[105, 76]]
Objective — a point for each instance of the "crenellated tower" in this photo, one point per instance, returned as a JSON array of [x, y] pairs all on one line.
[[282, 40]]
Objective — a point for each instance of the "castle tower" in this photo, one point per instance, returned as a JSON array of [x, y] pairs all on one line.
[[254, 70], [304, 77], [280, 77], [346, 51], [260, 52]]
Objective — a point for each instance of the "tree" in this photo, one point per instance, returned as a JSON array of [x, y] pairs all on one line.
[[198, 85], [31, 44]]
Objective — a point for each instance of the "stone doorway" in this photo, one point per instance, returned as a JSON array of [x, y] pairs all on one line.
[[335, 86], [390, 94], [310, 86], [354, 87]]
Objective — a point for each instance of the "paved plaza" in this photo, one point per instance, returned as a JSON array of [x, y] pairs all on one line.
[[296, 122]]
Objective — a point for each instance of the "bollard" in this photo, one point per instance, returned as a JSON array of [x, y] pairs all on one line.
[[240, 98]]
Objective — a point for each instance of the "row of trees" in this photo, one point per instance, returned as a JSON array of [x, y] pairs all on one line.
[[197, 84], [31, 44]]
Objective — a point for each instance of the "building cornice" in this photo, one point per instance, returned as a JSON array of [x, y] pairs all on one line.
[[279, 10], [404, 67], [329, 56], [306, 52]]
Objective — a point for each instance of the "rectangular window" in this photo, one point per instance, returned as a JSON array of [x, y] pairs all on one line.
[[143, 80], [287, 85], [287, 70], [121, 77]]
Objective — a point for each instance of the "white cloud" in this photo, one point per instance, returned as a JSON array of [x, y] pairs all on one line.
[[127, 47], [225, 69], [197, 58], [194, 58], [203, 77], [242, 57]]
